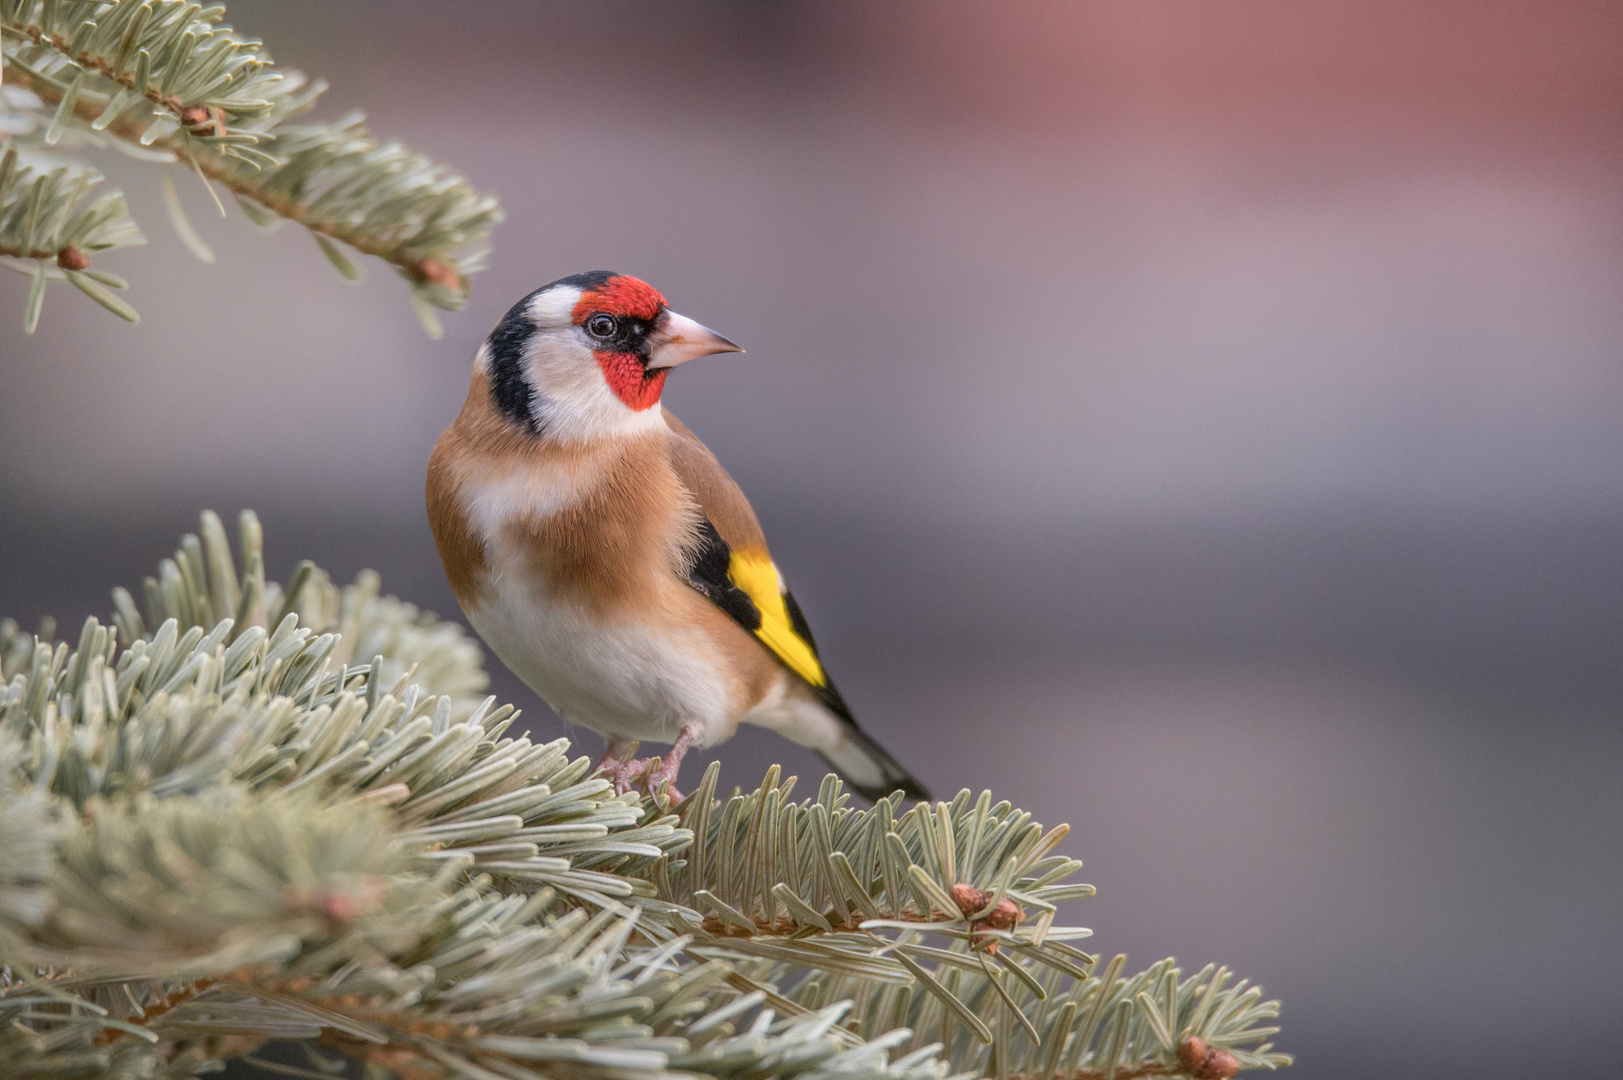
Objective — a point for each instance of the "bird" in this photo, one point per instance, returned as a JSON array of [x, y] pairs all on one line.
[[607, 558]]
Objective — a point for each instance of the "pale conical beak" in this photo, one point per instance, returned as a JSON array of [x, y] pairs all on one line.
[[677, 339]]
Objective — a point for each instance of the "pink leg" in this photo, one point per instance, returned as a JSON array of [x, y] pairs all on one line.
[[616, 764], [671, 762]]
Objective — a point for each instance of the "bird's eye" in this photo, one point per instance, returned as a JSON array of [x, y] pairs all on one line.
[[600, 325]]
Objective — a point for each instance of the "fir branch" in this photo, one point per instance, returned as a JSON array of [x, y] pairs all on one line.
[[27, 845], [169, 76], [845, 902], [235, 833], [44, 217]]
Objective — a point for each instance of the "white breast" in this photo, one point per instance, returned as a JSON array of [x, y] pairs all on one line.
[[636, 679], [532, 490]]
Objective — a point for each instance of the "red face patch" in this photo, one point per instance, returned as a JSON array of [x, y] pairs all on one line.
[[626, 297], [633, 384], [620, 295]]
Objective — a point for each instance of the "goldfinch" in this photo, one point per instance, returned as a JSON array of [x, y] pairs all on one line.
[[606, 557]]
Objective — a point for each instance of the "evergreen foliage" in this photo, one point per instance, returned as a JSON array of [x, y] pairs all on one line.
[[245, 812], [167, 81]]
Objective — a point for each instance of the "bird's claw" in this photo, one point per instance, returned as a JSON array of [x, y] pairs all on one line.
[[664, 776], [645, 773], [624, 774], [653, 775]]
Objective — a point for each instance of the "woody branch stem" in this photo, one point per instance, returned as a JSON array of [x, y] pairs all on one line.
[[418, 269]]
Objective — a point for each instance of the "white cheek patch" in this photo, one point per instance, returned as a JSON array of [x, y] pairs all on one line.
[[573, 402]]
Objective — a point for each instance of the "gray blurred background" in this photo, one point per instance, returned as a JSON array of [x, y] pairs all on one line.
[[1199, 423]]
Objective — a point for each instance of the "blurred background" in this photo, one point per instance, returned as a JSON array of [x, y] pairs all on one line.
[[1198, 423]]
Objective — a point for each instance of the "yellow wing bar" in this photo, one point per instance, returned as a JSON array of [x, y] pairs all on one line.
[[758, 578]]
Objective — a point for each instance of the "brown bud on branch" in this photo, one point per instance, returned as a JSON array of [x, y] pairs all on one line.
[[201, 120], [1005, 916], [440, 274], [1204, 1062]]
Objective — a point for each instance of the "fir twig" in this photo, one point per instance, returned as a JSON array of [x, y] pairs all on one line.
[[169, 78], [227, 825]]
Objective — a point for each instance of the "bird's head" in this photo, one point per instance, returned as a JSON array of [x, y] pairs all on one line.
[[587, 356]]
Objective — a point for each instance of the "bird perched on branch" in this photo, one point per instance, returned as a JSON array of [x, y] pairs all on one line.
[[607, 558]]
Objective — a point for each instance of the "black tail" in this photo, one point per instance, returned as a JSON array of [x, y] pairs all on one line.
[[869, 768]]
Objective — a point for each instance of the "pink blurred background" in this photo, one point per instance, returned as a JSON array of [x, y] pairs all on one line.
[[1199, 423]]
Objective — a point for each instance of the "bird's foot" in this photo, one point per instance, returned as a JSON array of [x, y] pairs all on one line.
[[664, 776], [645, 773], [616, 766], [624, 775], [650, 774]]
